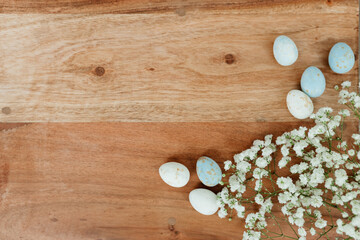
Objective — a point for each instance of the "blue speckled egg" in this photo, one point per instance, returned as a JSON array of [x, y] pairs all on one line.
[[313, 82], [341, 58], [208, 171], [285, 50]]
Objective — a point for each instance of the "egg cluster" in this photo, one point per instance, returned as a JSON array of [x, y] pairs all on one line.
[[313, 83], [209, 173]]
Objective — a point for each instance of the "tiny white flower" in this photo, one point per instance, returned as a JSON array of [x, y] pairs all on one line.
[[302, 232], [356, 221], [294, 168], [258, 143], [320, 223], [284, 197], [267, 151], [259, 199], [260, 173], [316, 201], [328, 183], [234, 183], [303, 179], [356, 137], [268, 139], [312, 231], [261, 162], [351, 152], [346, 84], [317, 213], [281, 140], [240, 210], [227, 164], [283, 182], [340, 177], [299, 222], [299, 147], [285, 160], [222, 213], [243, 166], [251, 235], [355, 206], [258, 185], [284, 151]]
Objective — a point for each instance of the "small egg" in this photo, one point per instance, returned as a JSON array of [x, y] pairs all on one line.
[[299, 104], [313, 82], [203, 201], [208, 171], [174, 174], [341, 58], [285, 50]]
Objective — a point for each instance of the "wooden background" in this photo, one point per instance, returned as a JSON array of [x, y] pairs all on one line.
[[206, 61], [109, 63]]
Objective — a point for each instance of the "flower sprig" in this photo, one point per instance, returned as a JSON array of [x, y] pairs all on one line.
[[324, 179]]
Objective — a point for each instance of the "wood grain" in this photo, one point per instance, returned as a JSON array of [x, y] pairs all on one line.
[[91, 181], [167, 65], [179, 6]]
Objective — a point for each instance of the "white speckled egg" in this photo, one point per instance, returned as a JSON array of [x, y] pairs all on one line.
[[285, 50], [203, 201], [299, 104], [341, 58], [174, 174], [313, 82], [208, 171]]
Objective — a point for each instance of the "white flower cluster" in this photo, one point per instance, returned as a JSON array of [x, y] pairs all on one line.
[[325, 177], [347, 97], [321, 166], [253, 161]]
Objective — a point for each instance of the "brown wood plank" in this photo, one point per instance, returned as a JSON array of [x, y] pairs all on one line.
[[166, 67], [100, 180], [180, 7]]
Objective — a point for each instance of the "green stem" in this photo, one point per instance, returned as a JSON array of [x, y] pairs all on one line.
[[332, 226]]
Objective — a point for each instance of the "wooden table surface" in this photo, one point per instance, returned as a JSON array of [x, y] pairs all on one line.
[[96, 95]]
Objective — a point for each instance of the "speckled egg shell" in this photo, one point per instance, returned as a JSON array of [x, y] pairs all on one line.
[[341, 58], [208, 171], [174, 174], [203, 201], [313, 82], [285, 50], [299, 104]]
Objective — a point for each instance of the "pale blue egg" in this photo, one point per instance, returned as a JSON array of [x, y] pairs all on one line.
[[341, 58], [313, 82], [208, 171], [285, 50]]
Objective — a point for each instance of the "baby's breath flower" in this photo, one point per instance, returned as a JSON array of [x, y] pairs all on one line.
[[351, 152], [346, 84], [302, 232], [320, 223], [282, 163], [251, 235], [222, 213], [355, 206], [227, 165], [340, 177], [261, 162]]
